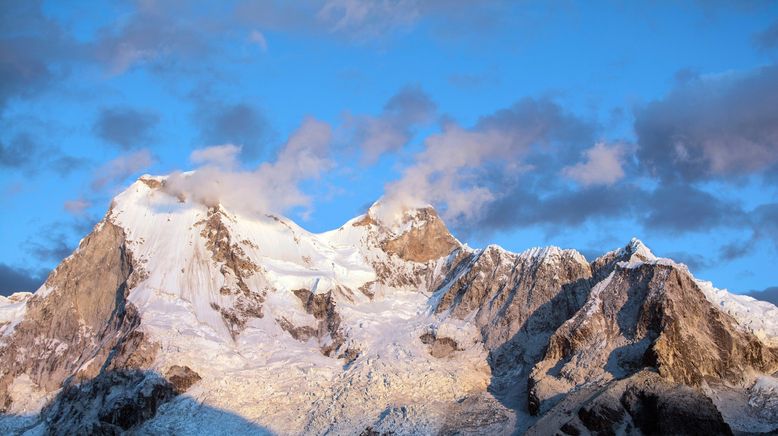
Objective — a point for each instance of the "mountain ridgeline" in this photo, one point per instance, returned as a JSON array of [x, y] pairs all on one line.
[[176, 317]]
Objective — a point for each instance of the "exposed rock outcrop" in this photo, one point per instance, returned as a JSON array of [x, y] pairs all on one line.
[[322, 307], [440, 347], [427, 239], [505, 290], [109, 404], [659, 407], [517, 301], [236, 267], [83, 323], [642, 404], [647, 315], [181, 378]]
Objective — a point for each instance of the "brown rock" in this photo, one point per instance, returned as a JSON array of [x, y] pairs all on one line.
[[83, 319], [650, 315], [151, 183], [236, 266], [322, 307], [440, 347], [428, 240], [181, 377]]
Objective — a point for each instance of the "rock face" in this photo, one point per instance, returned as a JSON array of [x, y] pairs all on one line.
[[517, 302], [648, 315], [428, 240], [80, 322], [235, 267], [440, 347], [178, 317], [643, 403], [111, 403], [181, 378], [658, 407], [322, 307]]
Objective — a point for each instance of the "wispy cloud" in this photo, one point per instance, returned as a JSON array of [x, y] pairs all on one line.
[[394, 127], [77, 206], [119, 169], [768, 38]]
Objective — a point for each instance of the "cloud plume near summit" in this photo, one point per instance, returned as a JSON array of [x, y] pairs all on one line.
[[271, 187]]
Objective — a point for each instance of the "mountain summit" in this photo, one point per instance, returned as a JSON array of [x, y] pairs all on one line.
[[174, 316]]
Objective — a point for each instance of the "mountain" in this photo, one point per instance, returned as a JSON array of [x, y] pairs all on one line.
[[174, 316]]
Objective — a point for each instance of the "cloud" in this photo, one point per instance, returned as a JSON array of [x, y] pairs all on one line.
[[712, 127], [242, 124], [31, 48], [64, 165], [762, 222], [675, 209], [603, 165], [126, 127], [268, 188], [24, 153], [765, 222], [768, 294], [57, 240], [77, 206], [219, 156], [20, 152], [18, 279], [256, 37], [54, 246], [157, 33], [119, 169], [163, 35], [394, 127], [767, 39], [369, 21], [523, 205], [684, 208], [735, 249], [470, 81], [454, 170]]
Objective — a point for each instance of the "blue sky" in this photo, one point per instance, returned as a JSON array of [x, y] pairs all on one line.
[[578, 124]]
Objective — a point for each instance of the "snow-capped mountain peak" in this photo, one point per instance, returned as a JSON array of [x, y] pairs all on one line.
[[374, 326]]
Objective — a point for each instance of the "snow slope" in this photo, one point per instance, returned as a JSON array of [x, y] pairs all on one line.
[[260, 373]]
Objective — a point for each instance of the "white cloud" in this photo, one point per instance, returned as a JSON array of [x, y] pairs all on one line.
[[270, 187], [603, 165], [449, 171], [459, 170], [223, 156]]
